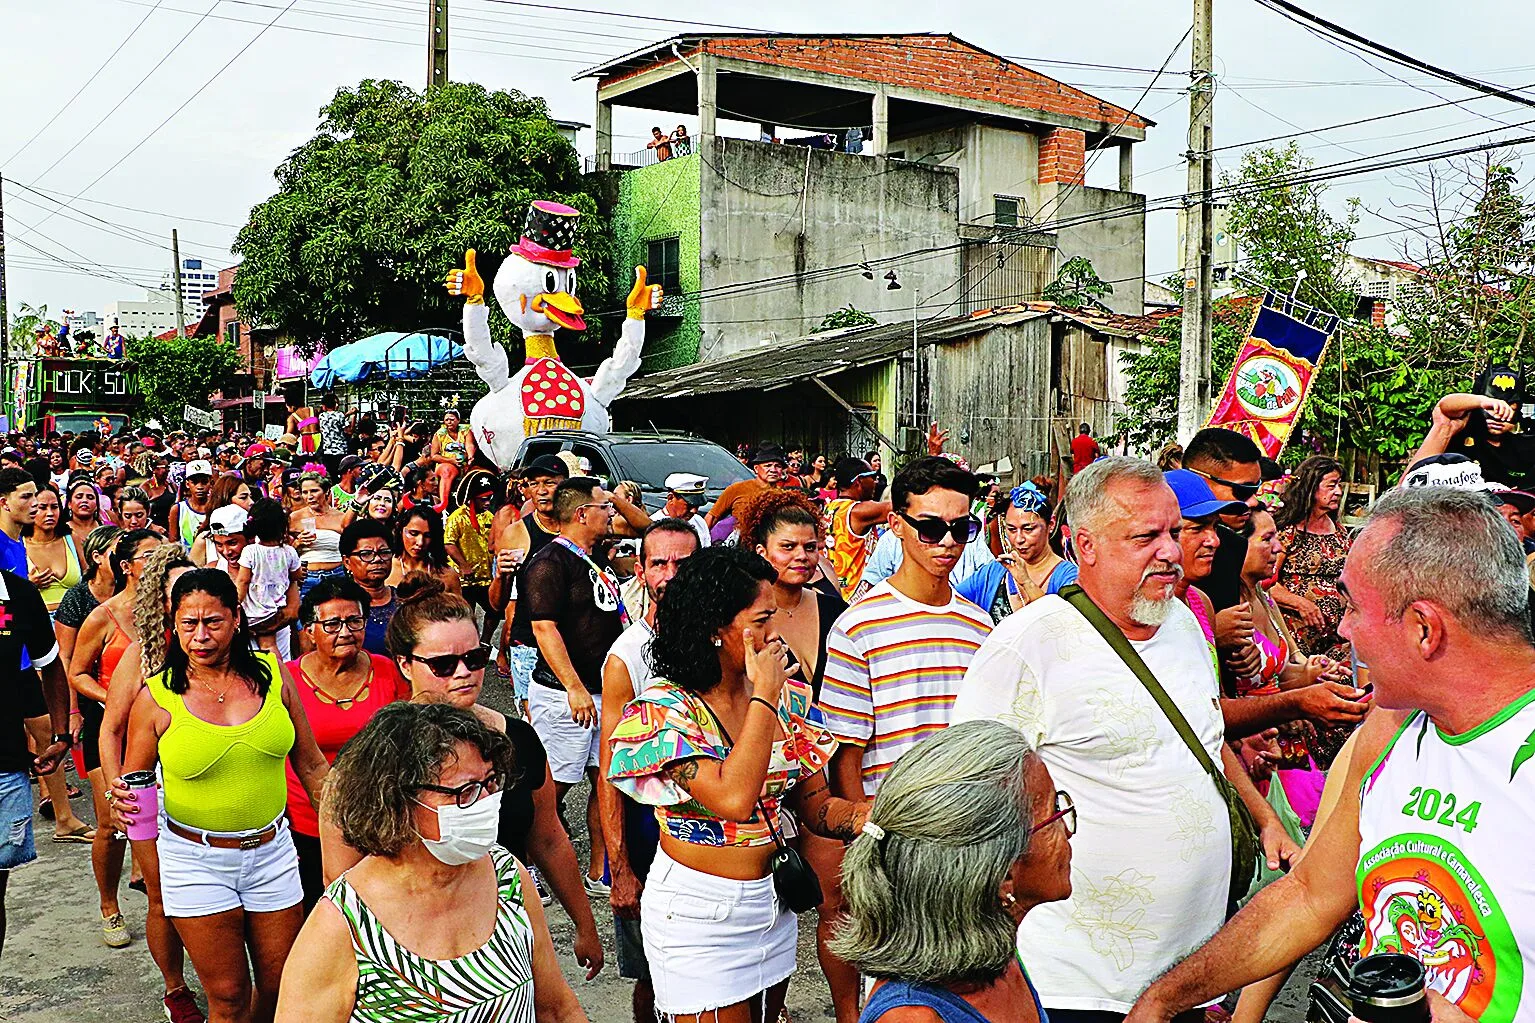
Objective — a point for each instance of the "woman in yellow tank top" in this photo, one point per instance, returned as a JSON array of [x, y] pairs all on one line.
[[53, 562], [220, 720]]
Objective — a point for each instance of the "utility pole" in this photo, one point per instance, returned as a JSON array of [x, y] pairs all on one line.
[[5, 309], [437, 43], [1198, 235], [181, 319]]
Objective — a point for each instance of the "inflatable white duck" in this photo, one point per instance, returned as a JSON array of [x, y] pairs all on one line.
[[536, 289]]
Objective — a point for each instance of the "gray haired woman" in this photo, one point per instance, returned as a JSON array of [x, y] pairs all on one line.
[[403, 934], [967, 834]]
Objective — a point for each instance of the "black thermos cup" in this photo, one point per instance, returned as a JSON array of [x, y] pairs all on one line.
[[1388, 988]]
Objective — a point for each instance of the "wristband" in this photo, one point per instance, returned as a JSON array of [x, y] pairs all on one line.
[[65, 737], [765, 703]]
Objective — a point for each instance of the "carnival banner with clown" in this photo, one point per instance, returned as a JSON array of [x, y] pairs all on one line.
[[1267, 388]]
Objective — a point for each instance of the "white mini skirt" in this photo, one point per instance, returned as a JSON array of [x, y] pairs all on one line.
[[712, 941]]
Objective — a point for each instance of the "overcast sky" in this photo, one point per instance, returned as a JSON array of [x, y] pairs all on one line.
[[214, 159]]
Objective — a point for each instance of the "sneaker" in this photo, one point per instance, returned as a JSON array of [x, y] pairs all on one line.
[[595, 888], [538, 882], [114, 931], [181, 1007]]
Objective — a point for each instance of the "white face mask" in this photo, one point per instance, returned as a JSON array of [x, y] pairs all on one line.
[[467, 833]]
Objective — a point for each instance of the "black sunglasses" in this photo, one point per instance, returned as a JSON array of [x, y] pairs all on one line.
[[470, 792], [932, 531], [444, 665], [1239, 491]]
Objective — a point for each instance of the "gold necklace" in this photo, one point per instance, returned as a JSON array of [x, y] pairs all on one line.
[[214, 691]]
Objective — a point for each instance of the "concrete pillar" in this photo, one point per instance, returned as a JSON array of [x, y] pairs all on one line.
[[604, 119], [1126, 167], [708, 102], [881, 141]]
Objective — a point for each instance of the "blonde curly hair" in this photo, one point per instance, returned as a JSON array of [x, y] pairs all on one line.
[[150, 616]]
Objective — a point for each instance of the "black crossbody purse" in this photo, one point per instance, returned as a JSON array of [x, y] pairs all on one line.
[[794, 880]]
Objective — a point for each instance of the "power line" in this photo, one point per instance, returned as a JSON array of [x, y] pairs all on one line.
[[185, 103], [1357, 41], [84, 85]]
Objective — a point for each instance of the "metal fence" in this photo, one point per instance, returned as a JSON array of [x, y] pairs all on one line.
[[1005, 273]]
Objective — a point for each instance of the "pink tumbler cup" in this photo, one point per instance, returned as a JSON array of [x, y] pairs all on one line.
[[146, 820]]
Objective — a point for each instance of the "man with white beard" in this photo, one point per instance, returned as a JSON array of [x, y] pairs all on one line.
[[1151, 859]]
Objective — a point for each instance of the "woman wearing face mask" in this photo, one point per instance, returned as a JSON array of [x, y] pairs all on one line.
[[221, 720], [435, 912], [341, 686], [422, 549], [719, 743], [969, 826], [435, 645], [1029, 568]]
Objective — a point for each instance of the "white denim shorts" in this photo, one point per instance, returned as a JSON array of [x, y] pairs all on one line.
[[571, 748], [712, 941], [200, 880]]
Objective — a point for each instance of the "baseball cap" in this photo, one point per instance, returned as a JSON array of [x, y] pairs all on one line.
[[1447, 470], [228, 519], [546, 465], [349, 463], [1195, 498], [686, 484], [259, 449], [1521, 500], [199, 467]]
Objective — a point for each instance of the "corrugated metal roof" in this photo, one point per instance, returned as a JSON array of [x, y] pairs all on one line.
[[779, 364]]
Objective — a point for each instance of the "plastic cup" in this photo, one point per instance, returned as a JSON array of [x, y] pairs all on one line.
[[146, 820], [308, 525]]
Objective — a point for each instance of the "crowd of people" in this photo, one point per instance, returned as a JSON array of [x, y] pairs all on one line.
[[1113, 748]]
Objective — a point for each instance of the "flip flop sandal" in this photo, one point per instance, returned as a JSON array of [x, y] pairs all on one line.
[[45, 808], [84, 836], [139, 886], [73, 790]]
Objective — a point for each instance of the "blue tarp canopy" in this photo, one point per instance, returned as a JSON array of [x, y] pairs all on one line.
[[392, 354]]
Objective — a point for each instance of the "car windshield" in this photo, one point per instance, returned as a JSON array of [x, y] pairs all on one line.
[[649, 462]]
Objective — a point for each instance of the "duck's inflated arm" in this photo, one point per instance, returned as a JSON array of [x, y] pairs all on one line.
[[609, 380], [489, 359]]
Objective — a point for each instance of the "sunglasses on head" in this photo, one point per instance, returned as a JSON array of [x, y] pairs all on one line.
[[932, 531], [1239, 491], [444, 665]]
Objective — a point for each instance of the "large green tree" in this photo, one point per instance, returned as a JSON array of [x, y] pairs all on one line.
[[182, 371], [372, 213]]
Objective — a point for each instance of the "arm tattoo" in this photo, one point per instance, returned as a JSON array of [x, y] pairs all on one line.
[[683, 772]]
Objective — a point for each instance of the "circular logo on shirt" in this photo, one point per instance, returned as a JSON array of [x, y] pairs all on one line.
[[1421, 897], [603, 594], [1266, 387]]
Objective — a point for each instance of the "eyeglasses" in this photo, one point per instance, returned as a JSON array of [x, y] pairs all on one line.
[[470, 792], [932, 531], [444, 665], [333, 626], [1065, 812], [1239, 491], [606, 506], [372, 555]]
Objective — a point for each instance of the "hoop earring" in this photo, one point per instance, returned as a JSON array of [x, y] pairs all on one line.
[[716, 641]]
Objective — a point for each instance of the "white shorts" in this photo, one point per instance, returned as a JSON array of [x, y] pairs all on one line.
[[712, 941], [571, 748], [199, 880]]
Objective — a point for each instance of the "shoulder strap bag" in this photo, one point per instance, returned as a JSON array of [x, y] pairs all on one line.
[[794, 880], [1245, 846]]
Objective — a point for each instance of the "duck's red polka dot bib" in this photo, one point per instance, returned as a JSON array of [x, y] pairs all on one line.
[[552, 397]]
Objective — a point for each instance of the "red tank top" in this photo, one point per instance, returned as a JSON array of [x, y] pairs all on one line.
[[333, 726], [113, 651]]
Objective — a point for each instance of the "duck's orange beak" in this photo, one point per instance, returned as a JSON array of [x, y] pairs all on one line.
[[561, 307]]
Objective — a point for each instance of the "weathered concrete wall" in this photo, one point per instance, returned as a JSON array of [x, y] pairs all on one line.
[[991, 161], [1116, 246], [785, 212]]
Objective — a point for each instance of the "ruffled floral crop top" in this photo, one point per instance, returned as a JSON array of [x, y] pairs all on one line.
[[667, 723]]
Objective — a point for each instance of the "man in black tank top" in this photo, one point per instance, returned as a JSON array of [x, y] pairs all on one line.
[[514, 546]]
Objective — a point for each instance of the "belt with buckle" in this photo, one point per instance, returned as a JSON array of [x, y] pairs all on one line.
[[251, 841]]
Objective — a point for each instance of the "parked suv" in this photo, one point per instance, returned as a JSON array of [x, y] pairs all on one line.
[[645, 457]]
